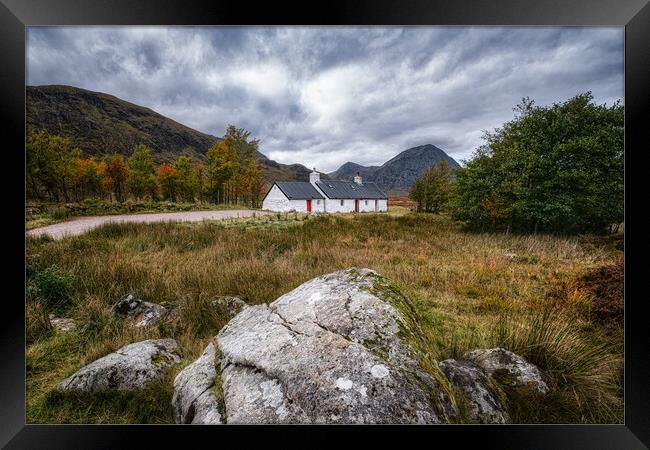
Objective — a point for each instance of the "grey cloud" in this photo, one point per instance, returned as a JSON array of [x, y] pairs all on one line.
[[325, 95]]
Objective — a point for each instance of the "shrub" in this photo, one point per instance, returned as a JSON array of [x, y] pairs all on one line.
[[554, 169], [53, 286]]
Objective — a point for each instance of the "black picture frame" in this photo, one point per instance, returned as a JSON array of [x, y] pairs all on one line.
[[15, 15]]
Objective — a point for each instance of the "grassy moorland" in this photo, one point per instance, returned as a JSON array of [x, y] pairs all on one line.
[[557, 301]]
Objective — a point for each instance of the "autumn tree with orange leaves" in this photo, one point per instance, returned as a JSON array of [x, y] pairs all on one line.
[[168, 178]]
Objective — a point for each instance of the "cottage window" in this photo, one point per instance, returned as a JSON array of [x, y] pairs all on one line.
[[366, 202], [318, 202], [342, 202]]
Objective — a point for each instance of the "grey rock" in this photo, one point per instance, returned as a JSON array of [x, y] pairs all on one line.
[[62, 324], [482, 399], [498, 361], [142, 313], [194, 400], [231, 305], [131, 367], [329, 351]]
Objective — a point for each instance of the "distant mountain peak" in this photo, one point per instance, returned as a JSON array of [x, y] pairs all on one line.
[[400, 172]]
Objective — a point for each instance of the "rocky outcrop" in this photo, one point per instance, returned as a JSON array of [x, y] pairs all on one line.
[[194, 400], [342, 348], [479, 393], [131, 367], [142, 313], [337, 349], [230, 305]]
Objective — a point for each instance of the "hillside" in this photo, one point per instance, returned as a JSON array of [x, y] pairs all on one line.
[[99, 123], [397, 174], [348, 170]]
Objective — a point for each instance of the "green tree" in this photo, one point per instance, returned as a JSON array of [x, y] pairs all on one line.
[[555, 169], [141, 180], [89, 177], [188, 183], [201, 183], [433, 189], [49, 165], [231, 174]]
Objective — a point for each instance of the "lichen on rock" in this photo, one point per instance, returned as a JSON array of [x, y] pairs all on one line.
[[131, 367], [481, 378], [330, 351], [61, 324], [479, 394], [495, 361], [194, 400]]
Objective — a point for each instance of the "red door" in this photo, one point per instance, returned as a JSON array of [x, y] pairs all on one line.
[[356, 205], [308, 205]]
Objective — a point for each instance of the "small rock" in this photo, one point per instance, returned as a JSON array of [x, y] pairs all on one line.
[[496, 361], [62, 324], [510, 255], [470, 381], [194, 400], [131, 367], [142, 313], [232, 305]]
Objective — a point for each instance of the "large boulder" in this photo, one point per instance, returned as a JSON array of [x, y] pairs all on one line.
[[142, 313], [194, 400], [131, 367], [479, 392], [341, 348], [507, 367]]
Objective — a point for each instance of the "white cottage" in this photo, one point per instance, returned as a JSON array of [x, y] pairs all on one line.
[[318, 196]]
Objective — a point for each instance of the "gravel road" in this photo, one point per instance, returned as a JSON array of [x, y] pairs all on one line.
[[82, 224]]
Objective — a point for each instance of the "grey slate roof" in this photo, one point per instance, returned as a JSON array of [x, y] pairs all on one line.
[[298, 190], [350, 189]]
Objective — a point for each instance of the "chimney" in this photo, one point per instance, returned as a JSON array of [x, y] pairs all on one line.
[[314, 176], [357, 179]]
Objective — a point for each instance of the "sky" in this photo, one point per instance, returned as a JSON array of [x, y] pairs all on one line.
[[321, 96]]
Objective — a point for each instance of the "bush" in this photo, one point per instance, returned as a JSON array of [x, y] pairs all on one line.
[[52, 286], [556, 169]]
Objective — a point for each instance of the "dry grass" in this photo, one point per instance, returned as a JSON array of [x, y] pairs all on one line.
[[470, 290], [403, 201]]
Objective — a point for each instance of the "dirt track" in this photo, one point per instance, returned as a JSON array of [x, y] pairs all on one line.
[[82, 224]]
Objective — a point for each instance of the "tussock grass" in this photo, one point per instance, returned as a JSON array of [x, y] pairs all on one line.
[[469, 291]]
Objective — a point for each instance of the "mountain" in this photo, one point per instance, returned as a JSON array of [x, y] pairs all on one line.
[[397, 175], [348, 170], [99, 123]]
